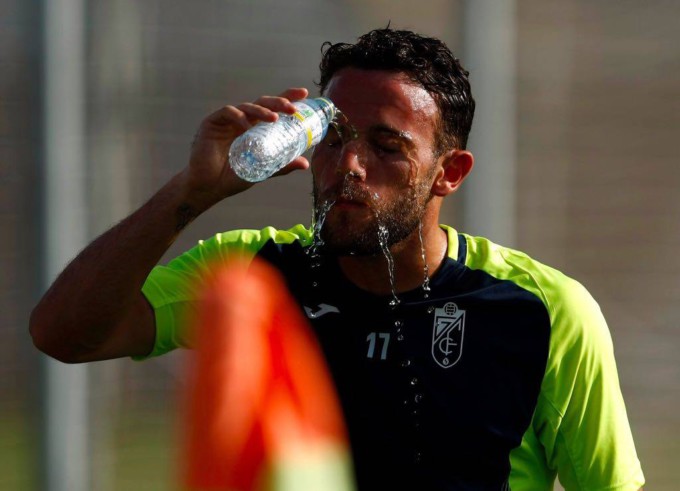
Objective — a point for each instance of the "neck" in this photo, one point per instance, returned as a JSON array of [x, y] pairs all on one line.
[[371, 273]]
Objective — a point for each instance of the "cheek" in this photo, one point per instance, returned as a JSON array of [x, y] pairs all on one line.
[[324, 175], [320, 170], [324, 157]]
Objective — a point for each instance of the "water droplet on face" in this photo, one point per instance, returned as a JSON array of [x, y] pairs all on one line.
[[408, 150], [339, 118]]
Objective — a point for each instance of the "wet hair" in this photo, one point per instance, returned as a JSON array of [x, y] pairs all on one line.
[[426, 61]]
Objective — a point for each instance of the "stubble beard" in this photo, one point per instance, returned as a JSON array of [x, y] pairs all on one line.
[[391, 222]]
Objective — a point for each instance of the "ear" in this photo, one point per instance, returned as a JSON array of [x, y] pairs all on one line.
[[455, 165]]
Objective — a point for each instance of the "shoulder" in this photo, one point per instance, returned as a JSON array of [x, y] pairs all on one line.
[[245, 243], [195, 264], [579, 334], [564, 298], [172, 289], [580, 422], [253, 240]]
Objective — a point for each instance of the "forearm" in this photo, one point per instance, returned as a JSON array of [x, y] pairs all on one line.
[[98, 288]]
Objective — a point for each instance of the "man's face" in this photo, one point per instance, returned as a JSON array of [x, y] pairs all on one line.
[[376, 169]]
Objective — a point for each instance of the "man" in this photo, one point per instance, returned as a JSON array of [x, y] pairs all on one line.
[[460, 364]]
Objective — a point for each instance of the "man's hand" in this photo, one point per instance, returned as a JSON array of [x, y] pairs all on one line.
[[209, 176]]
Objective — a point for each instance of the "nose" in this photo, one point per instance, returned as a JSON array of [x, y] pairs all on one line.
[[351, 160]]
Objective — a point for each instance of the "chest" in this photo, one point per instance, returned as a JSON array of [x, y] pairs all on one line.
[[434, 353], [443, 384]]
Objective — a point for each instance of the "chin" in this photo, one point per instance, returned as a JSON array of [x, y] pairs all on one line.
[[338, 242]]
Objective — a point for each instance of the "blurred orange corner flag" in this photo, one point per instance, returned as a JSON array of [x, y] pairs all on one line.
[[261, 410]]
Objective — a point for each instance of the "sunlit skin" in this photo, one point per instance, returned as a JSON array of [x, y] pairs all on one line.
[[396, 120]]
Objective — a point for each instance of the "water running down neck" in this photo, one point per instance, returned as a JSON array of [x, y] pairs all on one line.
[[383, 237], [318, 218], [426, 269]]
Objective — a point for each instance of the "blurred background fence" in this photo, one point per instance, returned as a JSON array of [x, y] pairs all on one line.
[[597, 95]]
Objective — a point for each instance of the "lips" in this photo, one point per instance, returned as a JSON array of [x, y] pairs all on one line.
[[347, 195], [349, 203]]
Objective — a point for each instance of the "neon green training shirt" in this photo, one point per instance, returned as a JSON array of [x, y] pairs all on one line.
[[501, 376]]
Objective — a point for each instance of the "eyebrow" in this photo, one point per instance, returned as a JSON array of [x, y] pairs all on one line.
[[404, 136]]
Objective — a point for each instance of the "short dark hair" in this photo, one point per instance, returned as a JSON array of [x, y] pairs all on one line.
[[425, 60]]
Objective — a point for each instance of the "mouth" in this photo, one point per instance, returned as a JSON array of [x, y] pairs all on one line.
[[344, 202]]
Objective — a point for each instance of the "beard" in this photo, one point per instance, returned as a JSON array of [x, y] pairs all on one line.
[[391, 221]]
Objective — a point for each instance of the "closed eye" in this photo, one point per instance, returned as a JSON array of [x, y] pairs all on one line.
[[388, 145]]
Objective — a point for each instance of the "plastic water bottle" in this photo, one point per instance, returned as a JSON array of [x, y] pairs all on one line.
[[267, 147]]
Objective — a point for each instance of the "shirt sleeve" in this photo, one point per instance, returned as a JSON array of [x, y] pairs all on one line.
[[581, 418], [173, 290]]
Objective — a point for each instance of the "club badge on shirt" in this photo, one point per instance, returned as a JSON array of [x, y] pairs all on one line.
[[447, 335]]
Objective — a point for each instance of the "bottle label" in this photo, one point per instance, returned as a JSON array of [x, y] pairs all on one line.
[[312, 121], [308, 130]]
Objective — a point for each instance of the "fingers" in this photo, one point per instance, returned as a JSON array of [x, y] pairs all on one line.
[[255, 111], [284, 102], [265, 108], [244, 116], [295, 93], [228, 115]]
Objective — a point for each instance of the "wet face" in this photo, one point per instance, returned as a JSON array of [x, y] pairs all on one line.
[[373, 172]]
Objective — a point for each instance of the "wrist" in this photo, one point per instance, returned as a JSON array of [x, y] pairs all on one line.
[[193, 200]]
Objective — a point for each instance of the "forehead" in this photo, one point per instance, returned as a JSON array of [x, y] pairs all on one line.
[[370, 97]]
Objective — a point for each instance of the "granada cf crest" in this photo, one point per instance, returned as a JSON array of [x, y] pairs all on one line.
[[447, 335]]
